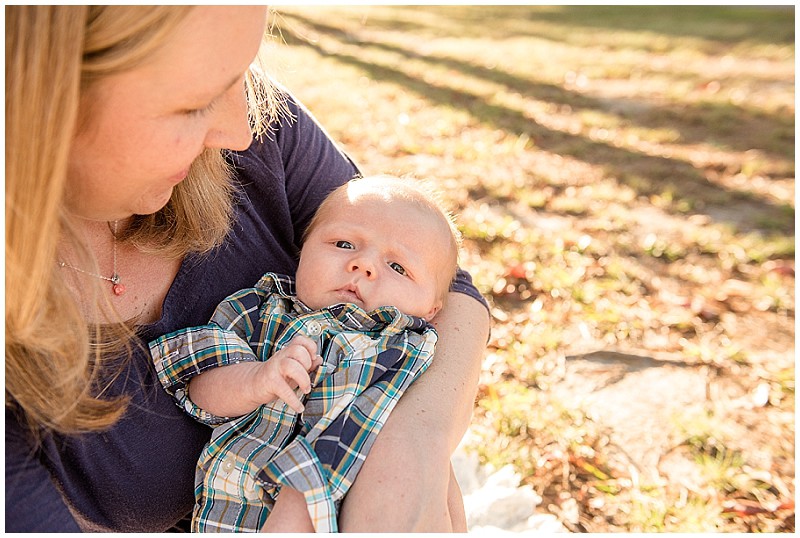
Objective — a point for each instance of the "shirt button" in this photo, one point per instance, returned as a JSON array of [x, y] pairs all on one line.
[[228, 464], [314, 328]]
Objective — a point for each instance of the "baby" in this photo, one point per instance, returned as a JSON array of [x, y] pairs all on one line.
[[312, 368]]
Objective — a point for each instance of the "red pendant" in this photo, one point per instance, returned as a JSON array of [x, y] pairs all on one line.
[[118, 289]]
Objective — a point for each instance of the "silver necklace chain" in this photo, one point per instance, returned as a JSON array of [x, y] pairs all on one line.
[[114, 278]]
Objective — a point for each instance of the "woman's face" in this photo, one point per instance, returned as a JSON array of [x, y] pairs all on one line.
[[140, 130]]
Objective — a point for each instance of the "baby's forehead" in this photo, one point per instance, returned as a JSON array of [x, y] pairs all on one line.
[[397, 217], [386, 199], [394, 209], [344, 201]]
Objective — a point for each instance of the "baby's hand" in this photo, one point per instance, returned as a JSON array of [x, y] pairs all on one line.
[[287, 370]]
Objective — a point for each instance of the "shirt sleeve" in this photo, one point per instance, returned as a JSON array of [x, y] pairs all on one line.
[[181, 355], [463, 284], [33, 504]]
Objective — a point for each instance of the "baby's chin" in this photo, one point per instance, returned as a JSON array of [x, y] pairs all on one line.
[[338, 297], [330, 299]]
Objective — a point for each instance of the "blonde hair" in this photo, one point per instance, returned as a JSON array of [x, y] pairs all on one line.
[[390, 188], [54, 358]]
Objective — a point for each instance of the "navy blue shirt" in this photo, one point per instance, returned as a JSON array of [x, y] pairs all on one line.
[[138, 476]]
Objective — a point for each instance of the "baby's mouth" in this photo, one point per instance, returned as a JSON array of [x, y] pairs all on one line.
[[351, 292]]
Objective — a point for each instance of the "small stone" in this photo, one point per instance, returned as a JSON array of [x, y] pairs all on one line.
[[118, 289]]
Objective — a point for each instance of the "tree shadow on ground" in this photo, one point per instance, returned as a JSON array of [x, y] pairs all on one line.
[[647, 175], [737, 128], [715, 27]]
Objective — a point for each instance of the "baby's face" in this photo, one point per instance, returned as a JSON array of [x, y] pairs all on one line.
[[375, 253]]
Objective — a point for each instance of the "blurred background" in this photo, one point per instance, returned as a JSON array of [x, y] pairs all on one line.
[[624, 179]]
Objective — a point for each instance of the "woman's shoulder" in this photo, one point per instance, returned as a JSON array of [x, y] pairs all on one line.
[[295, 145]]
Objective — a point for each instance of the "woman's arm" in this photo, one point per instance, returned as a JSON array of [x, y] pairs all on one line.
[[404, 483]]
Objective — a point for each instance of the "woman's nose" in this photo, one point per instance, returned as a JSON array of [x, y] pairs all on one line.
[[230, 128]]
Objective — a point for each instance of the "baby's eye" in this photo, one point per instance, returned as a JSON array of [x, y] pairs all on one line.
[[344, 244], [397, 267]]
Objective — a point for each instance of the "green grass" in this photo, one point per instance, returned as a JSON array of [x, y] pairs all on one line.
[[624, 179]]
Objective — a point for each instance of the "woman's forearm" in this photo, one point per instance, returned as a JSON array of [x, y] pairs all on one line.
[[404, 484], [445, 393]]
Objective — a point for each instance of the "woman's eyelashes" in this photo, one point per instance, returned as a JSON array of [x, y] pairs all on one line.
[[200, 111]]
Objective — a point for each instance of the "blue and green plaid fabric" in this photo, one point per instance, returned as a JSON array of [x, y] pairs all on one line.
[[369, 360]]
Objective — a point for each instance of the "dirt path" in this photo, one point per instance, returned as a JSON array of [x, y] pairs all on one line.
[[640, 401], [635, 397]]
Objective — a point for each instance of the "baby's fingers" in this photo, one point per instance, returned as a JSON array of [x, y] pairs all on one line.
[[284, 392], [296, 374], [304, 350]]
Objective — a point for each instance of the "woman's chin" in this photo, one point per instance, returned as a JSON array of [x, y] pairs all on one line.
[[154, 203]]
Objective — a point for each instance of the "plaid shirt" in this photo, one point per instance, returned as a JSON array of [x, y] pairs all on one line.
[[369, 360]]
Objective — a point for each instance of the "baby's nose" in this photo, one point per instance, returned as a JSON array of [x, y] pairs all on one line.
[[363, 265]]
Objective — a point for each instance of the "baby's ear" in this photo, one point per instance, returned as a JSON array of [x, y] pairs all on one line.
[[434, 310]]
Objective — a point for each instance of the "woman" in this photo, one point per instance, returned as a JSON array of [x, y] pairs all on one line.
[[123, 203]]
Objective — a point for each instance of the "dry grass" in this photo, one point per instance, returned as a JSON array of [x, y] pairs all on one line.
[[625, 181]]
